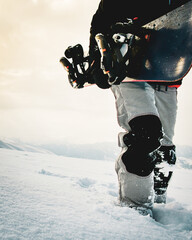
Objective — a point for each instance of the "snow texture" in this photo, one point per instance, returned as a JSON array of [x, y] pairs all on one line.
[[48, 197]]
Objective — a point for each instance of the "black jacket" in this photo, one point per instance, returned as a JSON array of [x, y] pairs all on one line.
[[112, 11]]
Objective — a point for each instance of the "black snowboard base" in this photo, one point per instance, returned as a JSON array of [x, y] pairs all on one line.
[[166, 56]]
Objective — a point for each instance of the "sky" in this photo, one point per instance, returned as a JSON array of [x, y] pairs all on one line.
[[37, 104]]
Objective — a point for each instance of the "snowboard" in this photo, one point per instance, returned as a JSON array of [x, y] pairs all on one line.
[[166, 55], [159, 51]]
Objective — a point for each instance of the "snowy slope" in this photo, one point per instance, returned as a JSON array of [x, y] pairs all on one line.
[[20, 146], [49, 197]]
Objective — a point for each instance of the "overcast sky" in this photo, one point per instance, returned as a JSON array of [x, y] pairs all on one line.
[[37, 103]]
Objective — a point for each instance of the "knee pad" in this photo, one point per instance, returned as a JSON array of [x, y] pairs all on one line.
[[146, 133], [143, 139]]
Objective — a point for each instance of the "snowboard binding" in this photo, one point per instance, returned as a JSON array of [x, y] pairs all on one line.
[[106, 70], [114, 56], [79, 69]]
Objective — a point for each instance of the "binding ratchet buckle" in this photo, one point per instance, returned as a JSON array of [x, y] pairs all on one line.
[[79, 68]]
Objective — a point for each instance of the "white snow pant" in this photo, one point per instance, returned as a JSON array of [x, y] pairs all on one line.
[[139, 99]]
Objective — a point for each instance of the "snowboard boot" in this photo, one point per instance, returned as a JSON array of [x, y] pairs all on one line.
[[165, 160]]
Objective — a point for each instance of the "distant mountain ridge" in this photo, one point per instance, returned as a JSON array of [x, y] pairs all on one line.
[[20, 146], [98, 151]]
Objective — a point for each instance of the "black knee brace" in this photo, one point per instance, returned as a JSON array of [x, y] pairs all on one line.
[[144, 137]]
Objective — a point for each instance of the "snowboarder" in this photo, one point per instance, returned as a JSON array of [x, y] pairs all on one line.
[[146, 111]]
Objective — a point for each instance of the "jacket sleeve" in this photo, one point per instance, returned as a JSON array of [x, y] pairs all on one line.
[[100, 23], [101, 20]]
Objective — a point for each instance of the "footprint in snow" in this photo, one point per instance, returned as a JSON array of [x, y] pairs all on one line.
[[86, 182], [47, 173]]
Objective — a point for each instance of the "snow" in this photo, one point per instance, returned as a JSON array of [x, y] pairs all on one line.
[[44, 196]]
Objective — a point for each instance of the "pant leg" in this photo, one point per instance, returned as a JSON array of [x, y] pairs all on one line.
[[166, 103], [133, 100]]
